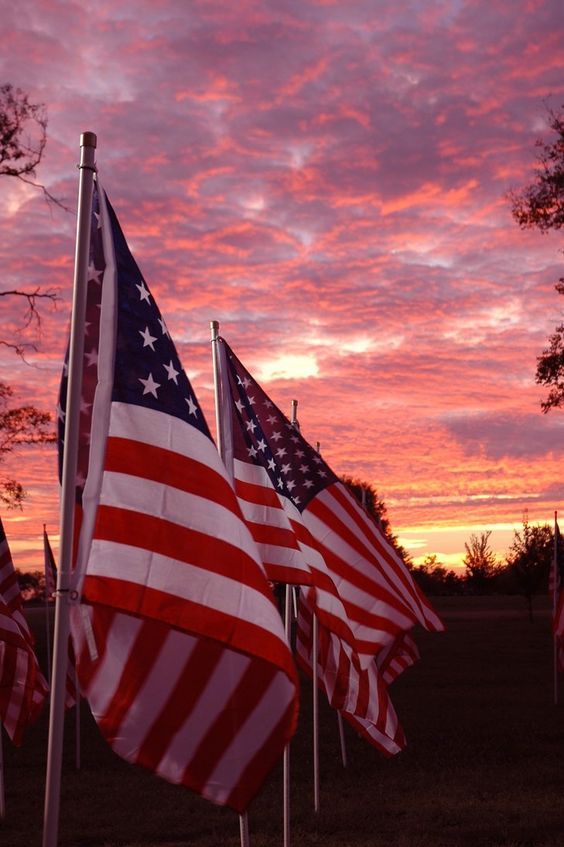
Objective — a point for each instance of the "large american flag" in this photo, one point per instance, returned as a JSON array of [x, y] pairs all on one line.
[[347, 552], [183, 657], [23, 689]]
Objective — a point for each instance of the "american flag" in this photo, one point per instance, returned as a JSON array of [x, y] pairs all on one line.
[[191, 676], [9, 588], [50, 588], [347, 551], [556, 585], [23, 689], [359, 694]]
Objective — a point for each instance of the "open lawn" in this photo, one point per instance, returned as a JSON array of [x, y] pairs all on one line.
[[484, 764]]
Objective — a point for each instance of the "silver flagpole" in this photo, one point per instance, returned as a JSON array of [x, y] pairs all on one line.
[[314, 652], [286, 789], [76, 354], [314, 656], [47, 624], [288, 627], [555, 587], [224, 437]]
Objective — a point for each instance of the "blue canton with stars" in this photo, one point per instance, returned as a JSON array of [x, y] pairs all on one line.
[[264, 436], [147, 368]]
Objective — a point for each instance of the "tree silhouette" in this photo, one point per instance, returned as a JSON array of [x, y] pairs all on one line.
[[480, 562], [540, 205], [529, 560], [23, 136]]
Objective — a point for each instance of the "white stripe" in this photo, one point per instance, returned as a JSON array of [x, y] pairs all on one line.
[[106, 680], [348, 590], [153, 695], [168, 432], [251, 736], [190, 511], [392, 573], [211, 702], [185, 581]]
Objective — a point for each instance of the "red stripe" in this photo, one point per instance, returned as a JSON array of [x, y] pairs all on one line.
[[184, 544], [374, 537], [250, 690], [195, 675], [143, 655], [169, 468], [252, 776], [189, 616], [275, 535], [260, 495]]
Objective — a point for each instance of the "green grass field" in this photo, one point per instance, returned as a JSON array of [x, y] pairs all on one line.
[[484, 765]]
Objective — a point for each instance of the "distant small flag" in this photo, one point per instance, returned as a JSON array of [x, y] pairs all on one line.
[[359, 694], [23, 688], [9, 588]]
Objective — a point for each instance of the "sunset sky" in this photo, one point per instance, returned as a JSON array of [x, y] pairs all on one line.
[[329, 181]]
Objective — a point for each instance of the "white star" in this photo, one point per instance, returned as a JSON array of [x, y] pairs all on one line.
[[244, 382], [317, 460], [271, 419], [192, 408], [94, 275], [91, 358], [281, 452], [251, 400], [84, 406], [271, 465], [143, 292], [308, 483], [172, 372], [147, 338], [240, 406], [286, 468], [163, 326], [296, 500], [252, 452], [251, 426], [300, 454], [304, 468], [321, 473], [280, 483], [261, 445], [268, 404], [150, 386], [276, 436], [60, 413], [290, 484], [295, 439]]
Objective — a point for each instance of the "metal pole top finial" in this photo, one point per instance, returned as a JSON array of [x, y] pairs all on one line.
[[88, 139]]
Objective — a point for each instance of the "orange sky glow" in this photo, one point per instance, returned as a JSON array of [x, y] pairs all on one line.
[[329, 181]]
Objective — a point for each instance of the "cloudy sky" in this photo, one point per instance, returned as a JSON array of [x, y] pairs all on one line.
[[329, 181]]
